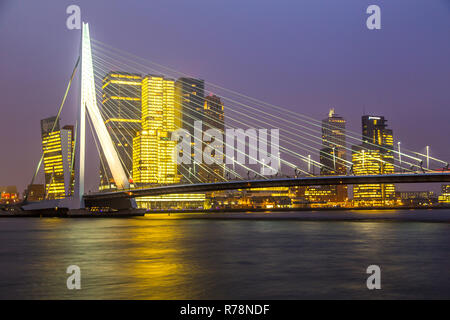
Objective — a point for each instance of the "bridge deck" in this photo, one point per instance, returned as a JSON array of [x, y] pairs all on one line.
[[281, 182]]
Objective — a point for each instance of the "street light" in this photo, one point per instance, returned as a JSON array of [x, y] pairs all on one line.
[[309, 163], [334, 159]]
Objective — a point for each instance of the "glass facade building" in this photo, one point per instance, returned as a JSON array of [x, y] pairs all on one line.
[[213, 118], [332, 156], [333, 150], [189, 105], [121, 111], [152, 147], [153, 161]]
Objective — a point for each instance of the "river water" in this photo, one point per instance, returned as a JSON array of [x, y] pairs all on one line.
[[182, 257]]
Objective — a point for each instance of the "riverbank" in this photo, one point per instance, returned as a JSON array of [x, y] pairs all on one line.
[[323, 214], [64, 213], [397, 215], [296, 209]]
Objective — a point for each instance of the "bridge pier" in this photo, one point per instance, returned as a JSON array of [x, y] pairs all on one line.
[[113, 203], [70, 207]]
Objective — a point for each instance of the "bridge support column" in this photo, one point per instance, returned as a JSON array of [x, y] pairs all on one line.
[[88, 103]]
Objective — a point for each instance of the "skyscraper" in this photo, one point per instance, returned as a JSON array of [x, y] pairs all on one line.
[[333, 150], [213, 118], [375, 131], [189, 105], [333, 154], [374, 156], [121, 110], [152, 147], [57, 147]]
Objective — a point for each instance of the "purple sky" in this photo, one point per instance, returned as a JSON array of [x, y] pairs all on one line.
[[306, 55]]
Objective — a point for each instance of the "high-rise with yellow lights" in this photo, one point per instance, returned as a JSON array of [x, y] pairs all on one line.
[[332, 157], [121, 110], [152, 147], [57, 147], [445, 194], [374, 156]]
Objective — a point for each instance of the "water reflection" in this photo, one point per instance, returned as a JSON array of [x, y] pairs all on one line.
[[162, 257]]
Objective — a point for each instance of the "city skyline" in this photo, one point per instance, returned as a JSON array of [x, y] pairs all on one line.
[[322, 97], [374, 135], [151, 164]]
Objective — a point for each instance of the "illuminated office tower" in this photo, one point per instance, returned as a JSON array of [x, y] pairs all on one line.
[[189, 105], [445, 194], [375, 131], [121, 110], [374, 156], [213, 113], [213, 118], [152, 147], [153, 161], [333, 150], [57, 147], [333, 155]]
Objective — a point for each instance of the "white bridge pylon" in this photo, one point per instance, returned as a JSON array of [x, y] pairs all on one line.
[[89, 103]]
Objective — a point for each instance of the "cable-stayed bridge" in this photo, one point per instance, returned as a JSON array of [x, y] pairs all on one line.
[[301, 138]]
